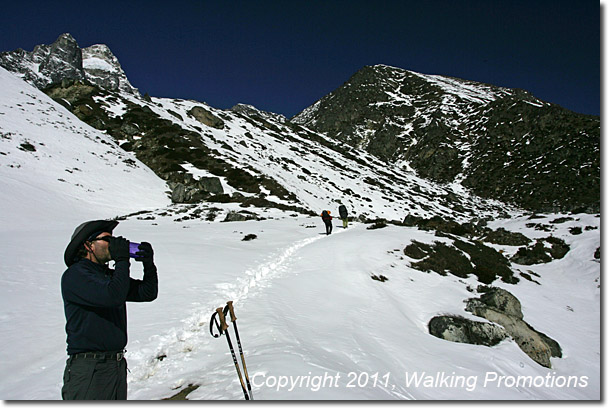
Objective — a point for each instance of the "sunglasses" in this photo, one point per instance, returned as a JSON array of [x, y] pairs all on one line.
[[103, 238]]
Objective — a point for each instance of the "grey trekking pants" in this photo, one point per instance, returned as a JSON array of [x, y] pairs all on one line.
[[95, 379]]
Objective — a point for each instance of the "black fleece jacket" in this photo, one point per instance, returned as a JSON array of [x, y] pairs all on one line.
[[94, 303]]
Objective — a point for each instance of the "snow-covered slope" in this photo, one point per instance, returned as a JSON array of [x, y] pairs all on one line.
[[317, 171], [309, 313], [55, 169]]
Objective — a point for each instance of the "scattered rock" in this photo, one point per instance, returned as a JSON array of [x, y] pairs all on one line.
[[184, 392], [461, 259], [439, 224], [501, 307], [378, 224], [194, 191], [462, 330], [205, 117], [562, 220], [26, 146], [240, 216], [540, 253], [503, 301], [416, 250], [503, 237], [529, 275]]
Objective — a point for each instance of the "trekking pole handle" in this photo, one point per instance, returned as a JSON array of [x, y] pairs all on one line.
[[223, 321], [231, 311]]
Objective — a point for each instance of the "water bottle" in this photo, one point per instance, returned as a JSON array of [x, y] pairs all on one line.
[[133, 248]]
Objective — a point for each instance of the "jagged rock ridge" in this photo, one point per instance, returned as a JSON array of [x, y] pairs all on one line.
[[63, 60]]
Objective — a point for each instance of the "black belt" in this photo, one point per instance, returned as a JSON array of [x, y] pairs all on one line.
[[118, 356]]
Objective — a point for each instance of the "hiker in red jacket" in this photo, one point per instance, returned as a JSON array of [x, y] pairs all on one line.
[[327, 221]]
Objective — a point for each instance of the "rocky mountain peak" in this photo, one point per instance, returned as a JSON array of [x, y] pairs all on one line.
[[102, 68], [502, 143], [47, 64], [63, 60]]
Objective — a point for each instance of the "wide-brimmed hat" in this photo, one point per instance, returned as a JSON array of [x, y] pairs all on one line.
[[82, 233]]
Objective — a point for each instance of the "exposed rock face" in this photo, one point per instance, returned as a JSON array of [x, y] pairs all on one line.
[[63, 61], [205, 117], [103, 69], [504, 309], [195, 191], [47, 64], [501, 143], [503, 237]]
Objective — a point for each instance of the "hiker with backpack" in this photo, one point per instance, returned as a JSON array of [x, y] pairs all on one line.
[[343, 215], [327, 221]]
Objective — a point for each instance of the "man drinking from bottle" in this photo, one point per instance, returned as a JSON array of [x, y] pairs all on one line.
[[96, 316]]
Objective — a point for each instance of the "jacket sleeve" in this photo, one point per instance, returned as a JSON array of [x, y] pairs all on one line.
[[144, 290], [84, 287]]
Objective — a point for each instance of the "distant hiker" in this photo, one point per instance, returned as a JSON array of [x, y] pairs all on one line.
[[343, 215], [96, 316], [327, 221]]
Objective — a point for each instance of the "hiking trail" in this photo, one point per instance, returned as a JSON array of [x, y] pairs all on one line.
[[173, 351]]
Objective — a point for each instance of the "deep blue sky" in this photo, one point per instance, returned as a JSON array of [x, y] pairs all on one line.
[[282, 56]]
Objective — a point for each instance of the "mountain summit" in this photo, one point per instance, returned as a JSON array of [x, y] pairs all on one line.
[[65, 60], [501, 143]]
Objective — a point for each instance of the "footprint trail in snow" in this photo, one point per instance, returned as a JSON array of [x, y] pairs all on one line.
[[174, 351]]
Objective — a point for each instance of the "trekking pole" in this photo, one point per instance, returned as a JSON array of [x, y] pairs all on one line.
[[222, 328], [241, 352]]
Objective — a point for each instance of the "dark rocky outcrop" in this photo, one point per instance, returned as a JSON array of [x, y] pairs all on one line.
[[461, 330], [241, 216], [503, 237], [543, 251], [56, 62], [195, 190], [461, 259]]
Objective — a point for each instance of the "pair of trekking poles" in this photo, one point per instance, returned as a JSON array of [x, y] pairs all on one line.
[[222, 327]]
